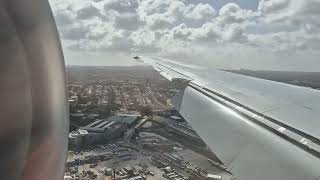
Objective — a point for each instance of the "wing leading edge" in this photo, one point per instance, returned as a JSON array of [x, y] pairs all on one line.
[[259, 129]]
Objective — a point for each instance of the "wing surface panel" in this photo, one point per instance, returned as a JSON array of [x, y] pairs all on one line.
[[248, 150]]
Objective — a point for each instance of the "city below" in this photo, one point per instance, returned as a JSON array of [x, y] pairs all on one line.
[[122, 126]]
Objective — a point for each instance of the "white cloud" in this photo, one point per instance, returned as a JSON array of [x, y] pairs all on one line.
[[129, 21], [88, 12], [201, 12], [76, 32], [232, 13], [182, 32], [209, 32], [159, 21], [293, 12], [270, 6], [121, 5], [235, 33], [189, 28]]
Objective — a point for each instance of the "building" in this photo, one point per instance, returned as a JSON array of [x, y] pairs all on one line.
[[95, 133], [177, 118], [77, 139], [67, 178], [129, 119], [136, 178], [76, 116], [129, 169], [100, 131], [99, 126], [214, 177]]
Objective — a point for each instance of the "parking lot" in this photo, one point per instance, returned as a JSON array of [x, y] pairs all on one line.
[[177, 163]]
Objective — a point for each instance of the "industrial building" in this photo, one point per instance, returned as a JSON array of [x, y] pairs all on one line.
[[101, 131]]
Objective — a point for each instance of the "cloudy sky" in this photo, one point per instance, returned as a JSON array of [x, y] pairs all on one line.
[[254, 34]]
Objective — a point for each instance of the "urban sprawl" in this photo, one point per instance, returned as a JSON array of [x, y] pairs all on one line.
[[123, 126]]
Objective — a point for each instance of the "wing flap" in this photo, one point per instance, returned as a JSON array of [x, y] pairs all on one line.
[[250, 151]]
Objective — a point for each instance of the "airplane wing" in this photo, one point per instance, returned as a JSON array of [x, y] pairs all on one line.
[[259, 129]]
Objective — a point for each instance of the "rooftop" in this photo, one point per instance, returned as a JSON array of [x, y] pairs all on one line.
[[124, 118], [99, 126], [111, 122], [78, 132]]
